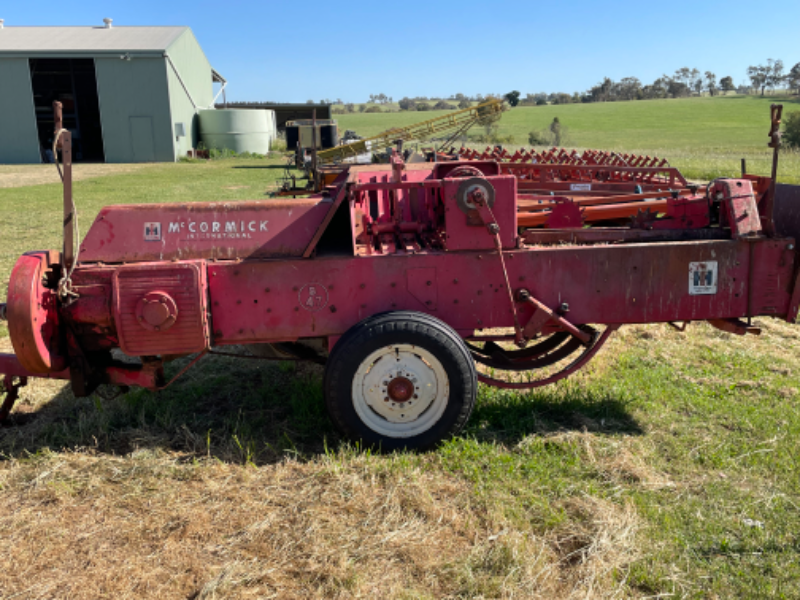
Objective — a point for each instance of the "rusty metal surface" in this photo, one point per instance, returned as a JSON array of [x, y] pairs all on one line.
[[787, 210], [220, 230], [771, 277], [740, 203]]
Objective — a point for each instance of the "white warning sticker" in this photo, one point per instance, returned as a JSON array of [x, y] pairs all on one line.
[[580, 187], [703, 277]]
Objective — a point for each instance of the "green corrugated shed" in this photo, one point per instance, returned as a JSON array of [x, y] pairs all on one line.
[[135, 95]]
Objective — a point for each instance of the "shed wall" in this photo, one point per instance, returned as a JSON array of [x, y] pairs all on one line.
[[135, 109], [195, 72], [18, 136]]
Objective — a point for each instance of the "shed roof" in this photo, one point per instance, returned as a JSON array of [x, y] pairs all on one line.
[[87, 39]]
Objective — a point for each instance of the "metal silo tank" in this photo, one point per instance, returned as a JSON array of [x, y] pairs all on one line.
[[240, 130]]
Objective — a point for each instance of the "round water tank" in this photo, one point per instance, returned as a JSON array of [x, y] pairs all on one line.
[[240, 130]]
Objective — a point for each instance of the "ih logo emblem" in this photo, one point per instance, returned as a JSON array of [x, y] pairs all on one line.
[[703, 277], [152, 232], [313, 296]]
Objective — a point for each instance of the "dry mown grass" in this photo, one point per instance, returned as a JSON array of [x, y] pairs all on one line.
[[155, 526], [155, 522]]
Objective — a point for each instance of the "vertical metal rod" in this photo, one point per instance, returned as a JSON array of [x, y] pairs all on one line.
[[314, 147], [65, 145], [775, 143], [66, 160], [744, 167]]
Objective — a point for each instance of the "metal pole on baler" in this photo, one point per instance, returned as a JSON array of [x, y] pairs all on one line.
[[63, 142], [775, 143]]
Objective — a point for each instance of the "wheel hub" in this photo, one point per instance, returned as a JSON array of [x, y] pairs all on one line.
[[400, 389]]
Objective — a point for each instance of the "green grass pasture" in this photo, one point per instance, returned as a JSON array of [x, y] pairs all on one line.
[[704, 137]]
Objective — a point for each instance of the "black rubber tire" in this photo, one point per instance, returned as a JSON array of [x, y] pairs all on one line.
[[400, 327]]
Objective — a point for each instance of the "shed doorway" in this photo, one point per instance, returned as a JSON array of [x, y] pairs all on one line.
[[71, 81]]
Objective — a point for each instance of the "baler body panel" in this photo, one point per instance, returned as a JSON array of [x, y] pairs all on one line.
[[636, 283], [211, 230]]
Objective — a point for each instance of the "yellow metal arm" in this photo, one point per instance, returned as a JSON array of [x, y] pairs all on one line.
[[449, 122]]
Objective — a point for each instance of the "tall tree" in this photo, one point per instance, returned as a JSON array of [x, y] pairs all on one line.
[[793, 78], [775, 75], [695, 81], [726, 84], [628, 88], [759, 76], [512, 97], [602, 91], [711, 83]]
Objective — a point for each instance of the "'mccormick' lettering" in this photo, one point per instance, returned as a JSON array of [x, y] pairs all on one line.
[[217, 230]]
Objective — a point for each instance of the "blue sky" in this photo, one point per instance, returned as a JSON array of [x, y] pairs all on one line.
[[294, 51]]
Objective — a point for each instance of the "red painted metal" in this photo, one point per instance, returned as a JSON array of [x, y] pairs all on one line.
[[602, 284], [32, 314], [11, 366], [160, 308], [542, 315], [447, 239], [742, 209], [214, 230], [467, 232], [564, 214]]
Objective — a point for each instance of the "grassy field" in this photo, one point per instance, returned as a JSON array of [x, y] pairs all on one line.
[[668, 468], [704, 137]]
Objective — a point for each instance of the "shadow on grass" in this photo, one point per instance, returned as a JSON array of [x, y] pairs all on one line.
[[508, 416], [256, 412]]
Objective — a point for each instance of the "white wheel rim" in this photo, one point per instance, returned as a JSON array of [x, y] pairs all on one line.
[[386, 376]]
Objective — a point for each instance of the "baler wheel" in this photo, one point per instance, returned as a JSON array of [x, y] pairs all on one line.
[[400, 380]]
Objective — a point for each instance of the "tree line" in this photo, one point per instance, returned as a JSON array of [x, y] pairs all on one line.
[[684, 82]]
